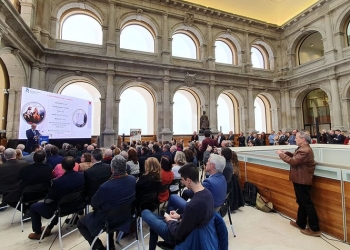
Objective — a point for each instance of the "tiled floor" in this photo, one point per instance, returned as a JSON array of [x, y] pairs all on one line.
[[255, 231]]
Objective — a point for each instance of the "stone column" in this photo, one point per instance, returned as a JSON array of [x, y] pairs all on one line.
[[12, 118], [116, 118], [42, 77], [283, 110], [213, 119], [166, 132], [34, 81], [38, 16], [287, 109], [336, 108], [274, 120], [248, 60], [330, 52], [165, 40], [111, 30], [211, 48], [45, 23], [251, 113], [109, 133], [27, 12]]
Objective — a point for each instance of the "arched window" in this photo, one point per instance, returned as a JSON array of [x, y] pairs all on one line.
[[225, 113], [315, 105], [4, 85], [136, 111], [184, 113], [87, 92], [348, 33], [223, 52], [81, 28], [260, 115], [259, 57], [137, 37], [311, 48], [183, 45]]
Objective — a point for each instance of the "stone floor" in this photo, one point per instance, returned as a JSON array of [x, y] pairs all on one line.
[[255, 231]]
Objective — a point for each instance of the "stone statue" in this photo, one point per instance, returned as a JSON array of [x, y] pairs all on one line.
[[204, 121]]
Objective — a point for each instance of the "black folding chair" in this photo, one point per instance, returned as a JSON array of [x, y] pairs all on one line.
[[31, 194], [69, 204], [228, 211], [117, 218], [91, 188]]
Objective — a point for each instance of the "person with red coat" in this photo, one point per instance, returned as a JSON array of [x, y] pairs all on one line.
[[167, 177]]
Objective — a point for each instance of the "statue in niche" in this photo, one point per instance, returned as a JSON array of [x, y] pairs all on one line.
[[204, 121]]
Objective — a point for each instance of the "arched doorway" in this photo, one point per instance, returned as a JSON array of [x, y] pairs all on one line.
[[87, 92]]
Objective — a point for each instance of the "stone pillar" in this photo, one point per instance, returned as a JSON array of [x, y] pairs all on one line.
[[213, 119], [109, 134], [283, 110], [330, 52], [111, 30], [336, 108], [35, 80], [45, 23], [211, 48], [166, 132], [274, 120], [165, 40], [11, 115], [287, 109], [42, 77], [248, 60], [27, 12], [251, 113], [38, 17]]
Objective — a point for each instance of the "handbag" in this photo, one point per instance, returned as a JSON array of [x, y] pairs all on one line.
[[263, 204]]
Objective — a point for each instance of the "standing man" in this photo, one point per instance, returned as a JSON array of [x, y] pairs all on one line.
[[231, 137], [32, 136], [272, 138], [302, 168], [291, 139]]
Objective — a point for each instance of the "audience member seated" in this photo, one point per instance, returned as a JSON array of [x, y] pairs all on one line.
[[236, 197], [19, 154], [2, 150], [228, 170], [37, 173], [22, 147], [59, 171], [33, 149], [116, 151], [216, 184], [69, 182], [85, 162], [156, 152], [173, 150], [97, 172], [177, 226], [108, 156], [144, 156], [9, 172], [54, 159], [190, 156], [151, 180], [118, 190], [208, 141], [180, 160], [167, 177], [132, 164], [166, 150]]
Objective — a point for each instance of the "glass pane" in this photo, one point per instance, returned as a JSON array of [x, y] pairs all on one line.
[[257, 58], [184, 113], [223, 53], [311, 48], [184, 46], [225, 113], [82, 28], [136, 37]]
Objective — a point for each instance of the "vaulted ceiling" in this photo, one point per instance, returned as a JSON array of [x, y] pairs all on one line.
[[270, 11]]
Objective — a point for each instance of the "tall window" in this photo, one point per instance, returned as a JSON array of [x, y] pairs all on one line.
[[223, 52], [87, 92], [311, 48], [184, 46], [81, 28], [348, 33], [225, 113], [137, 37], [260, 115], [136, 111], [4, 84], [258, 58], [184, 113]]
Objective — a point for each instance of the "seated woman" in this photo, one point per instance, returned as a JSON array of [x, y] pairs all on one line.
[[59, 171], [85, 162], [180, 160], [167, 178], [150, 181], [132, 165]]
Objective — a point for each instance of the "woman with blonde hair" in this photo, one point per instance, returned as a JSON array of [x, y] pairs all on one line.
[[116, 151], [180, 160], [151, 180], [85, 162], [19, 154]]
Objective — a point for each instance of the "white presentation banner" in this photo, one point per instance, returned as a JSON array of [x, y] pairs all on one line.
[[56, 116], [135, 134]]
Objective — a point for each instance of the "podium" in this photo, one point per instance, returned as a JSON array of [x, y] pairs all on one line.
[[43, 139]]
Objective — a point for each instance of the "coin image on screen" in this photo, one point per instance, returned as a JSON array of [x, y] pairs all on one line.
[[33, 112], [79, 118]]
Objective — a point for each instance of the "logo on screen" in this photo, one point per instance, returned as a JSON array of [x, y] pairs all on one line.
[[79, 118], [33, 112]]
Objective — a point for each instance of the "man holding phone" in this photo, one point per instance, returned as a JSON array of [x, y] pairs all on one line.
[[176, 227]]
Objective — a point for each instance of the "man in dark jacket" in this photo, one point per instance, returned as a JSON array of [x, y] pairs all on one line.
[[69, 182], [302, 168], [9, 172], [120, 189]]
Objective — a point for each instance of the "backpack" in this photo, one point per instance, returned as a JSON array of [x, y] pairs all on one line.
[[250, 192]]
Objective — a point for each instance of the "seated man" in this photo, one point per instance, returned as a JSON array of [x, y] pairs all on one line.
[[216, 184], [118, 190], [176, 227], [69, 182]]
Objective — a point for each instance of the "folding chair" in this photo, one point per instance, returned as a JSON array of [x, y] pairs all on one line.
[[69, 204], [91, 188], [117, 218], [30, 194], [219, 209]]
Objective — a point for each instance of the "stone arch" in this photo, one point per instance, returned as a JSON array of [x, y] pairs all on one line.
[[273, 114], [62, 8], [269, 49], [155, 93], [64, 80], [345, 95], [235, 40], [340, 25], [131, 16], [200, 95], [193, 29], [296, 39], [299, 96]]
